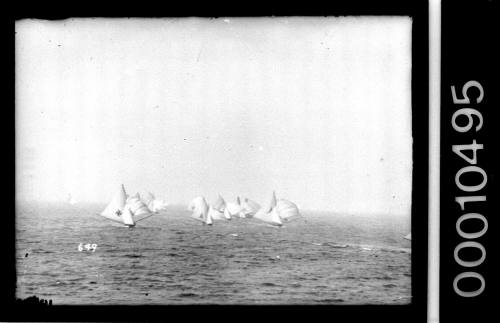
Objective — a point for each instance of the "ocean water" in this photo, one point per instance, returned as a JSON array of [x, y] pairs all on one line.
[[323, 258]]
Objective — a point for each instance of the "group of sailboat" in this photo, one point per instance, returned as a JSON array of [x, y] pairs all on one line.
[[129, 210], [275, 213]]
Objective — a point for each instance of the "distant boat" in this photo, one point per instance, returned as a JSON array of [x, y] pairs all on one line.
[[71, 200], [137, 206], [287, 210], [235, 209], [199, 207], [155, 205], [217, 211], [278, 211], [408, 236], [126, 210], [249, 208], [269, 214]]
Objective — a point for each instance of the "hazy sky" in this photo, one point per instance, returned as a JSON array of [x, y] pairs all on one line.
[[317, 109]]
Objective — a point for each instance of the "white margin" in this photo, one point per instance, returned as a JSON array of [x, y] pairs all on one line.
[[434, 159]]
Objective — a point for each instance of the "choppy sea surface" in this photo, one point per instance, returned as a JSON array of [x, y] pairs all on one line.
[[322, 258]]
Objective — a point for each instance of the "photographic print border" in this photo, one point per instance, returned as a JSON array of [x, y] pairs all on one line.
[[416, 311]]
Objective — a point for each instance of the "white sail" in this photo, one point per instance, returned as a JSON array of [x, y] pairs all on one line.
[[162, 204], [132, 198], [249, 208], [219, 204], [216, 214], [195, 203], [157, 205], [287, 210], [217, 211], [154, 205], [272, 203], [128, 217], [115, 208], [269, 213], [227, 214], [137, 207], [275, 217], [234, 208], [148, 198], [199, 208], [151, 206], [71, 200], [208, 219]]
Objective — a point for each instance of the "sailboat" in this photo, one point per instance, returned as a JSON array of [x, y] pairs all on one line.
[[234, 209], [199, 207], [155, 205], [71, 200], [137, 206], [269, 214], [287, 210], [217, 211], [408, 236], [126, 210], [278, 211], [249, 208]]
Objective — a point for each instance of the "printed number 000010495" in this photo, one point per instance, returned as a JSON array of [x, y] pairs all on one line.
[[479, 186]]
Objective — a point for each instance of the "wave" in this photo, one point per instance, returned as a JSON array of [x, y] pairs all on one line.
[[330, 300], [133, 256], [187, 295], [267, 284], [242, 264]]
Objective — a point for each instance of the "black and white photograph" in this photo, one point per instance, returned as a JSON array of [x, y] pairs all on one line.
[[332, 163], [247, 161]]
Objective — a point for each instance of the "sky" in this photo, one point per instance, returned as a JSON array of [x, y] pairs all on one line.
[[316, 109]]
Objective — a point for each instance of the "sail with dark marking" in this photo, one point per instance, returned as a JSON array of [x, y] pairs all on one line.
[[115, 208], [126, 210]]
